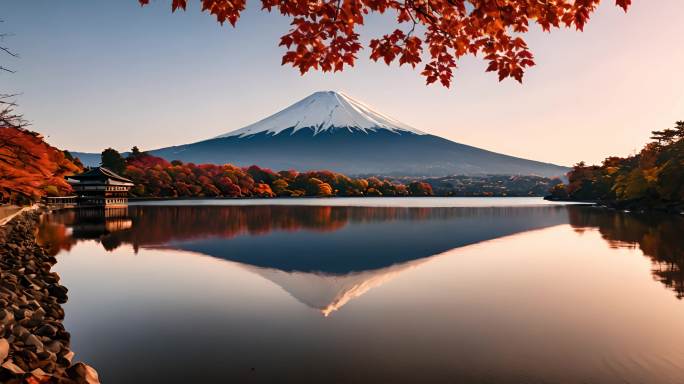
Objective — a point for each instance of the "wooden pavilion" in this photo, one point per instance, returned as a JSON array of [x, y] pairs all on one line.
[[100, 187]]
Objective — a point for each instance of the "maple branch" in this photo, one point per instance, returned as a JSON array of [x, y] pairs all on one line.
[[431, 19], [337, 10], [413, 19], [455, 28]]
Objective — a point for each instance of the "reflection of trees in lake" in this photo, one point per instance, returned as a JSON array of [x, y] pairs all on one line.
[[53, 234], [658, 236], [62, 229], [323, 256], [150, 226], [368, 246]]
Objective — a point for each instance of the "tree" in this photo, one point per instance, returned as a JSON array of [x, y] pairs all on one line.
[[654, 176], [9, 118], [136, 153], [324, 189], [30, 168], [280, 188], [679, 127], [113, 160], [420, 188], [666, 136], [324, 34], [263, 190], [669, 135], [73, 159]]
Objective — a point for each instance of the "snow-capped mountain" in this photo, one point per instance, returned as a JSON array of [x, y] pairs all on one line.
[[325, 111], [330, 130]]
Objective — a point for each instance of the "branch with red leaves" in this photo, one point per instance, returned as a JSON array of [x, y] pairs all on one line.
[[323, 34]]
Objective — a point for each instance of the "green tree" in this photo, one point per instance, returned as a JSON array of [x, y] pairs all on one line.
[[136, 153], [112, 160], [419, 188]]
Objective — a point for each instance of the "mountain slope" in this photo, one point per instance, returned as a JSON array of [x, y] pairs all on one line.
[[330, 130], [379, 152]]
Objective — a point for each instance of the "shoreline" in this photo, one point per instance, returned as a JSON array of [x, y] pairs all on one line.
[[137, 199], [34, 345], [629, 206]]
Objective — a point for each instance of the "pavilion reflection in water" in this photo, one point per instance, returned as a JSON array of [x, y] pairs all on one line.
[[95, 222], [63, 228]]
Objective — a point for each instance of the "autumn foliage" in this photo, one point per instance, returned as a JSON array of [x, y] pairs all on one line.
[[30, 168], [156, 177], [654, 176], [324, 34]]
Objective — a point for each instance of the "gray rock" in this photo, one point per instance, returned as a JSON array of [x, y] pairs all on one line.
[[46, 330], [38, 314], [22, 314], [58, 291], [54, 346], [32, 340], [19, 331], [6, 317], [83, 374], [69, 356], [34, 346]]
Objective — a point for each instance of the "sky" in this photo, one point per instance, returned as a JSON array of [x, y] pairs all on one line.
[[94, 74]]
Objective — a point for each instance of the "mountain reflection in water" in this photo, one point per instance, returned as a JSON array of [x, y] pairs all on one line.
[[326, 256]]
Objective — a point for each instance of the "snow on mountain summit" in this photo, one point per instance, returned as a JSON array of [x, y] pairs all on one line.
[[323, 111]]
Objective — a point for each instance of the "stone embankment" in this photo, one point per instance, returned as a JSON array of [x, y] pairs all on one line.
[[34, 346]]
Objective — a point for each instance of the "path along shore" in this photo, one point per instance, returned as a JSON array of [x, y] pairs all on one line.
[[34, 346]]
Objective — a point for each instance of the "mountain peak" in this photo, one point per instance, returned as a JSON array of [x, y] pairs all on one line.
[[322, 111]]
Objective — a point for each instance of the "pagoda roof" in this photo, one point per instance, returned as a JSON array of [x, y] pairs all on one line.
[[100, 173]]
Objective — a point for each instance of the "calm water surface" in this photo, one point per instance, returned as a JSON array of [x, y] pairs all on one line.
[[373, 290]]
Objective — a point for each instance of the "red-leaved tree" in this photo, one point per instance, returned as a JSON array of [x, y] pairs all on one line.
[[324, 33], [31, 168]]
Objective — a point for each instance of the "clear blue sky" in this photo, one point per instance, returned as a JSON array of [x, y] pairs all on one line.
[[99, 73]]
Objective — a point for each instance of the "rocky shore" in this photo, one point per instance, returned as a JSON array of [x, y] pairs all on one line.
[[34, 346]]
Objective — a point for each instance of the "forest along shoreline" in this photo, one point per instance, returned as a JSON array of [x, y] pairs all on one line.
[[651, 180], [34, 345], [640, 205]]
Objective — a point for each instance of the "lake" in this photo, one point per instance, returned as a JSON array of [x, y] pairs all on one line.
[[430, 290]]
